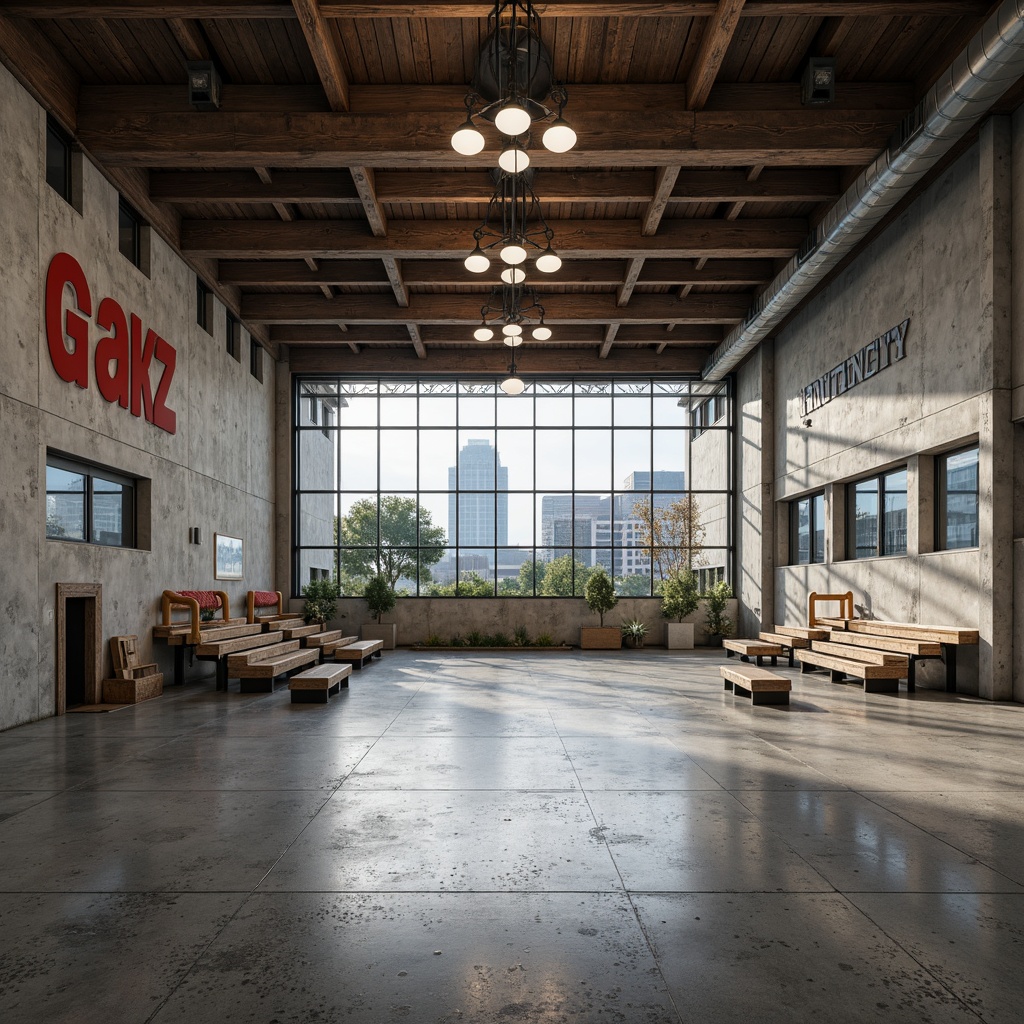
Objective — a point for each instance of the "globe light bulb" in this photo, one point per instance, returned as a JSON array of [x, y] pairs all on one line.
[[514, 159], [468, 141], [512, 330], [513, 385], [483, 334], [476, 262], [512, 119], [559, 138], [513, 340], [549, 261], [541, 333], [513, 275], [513, 254]]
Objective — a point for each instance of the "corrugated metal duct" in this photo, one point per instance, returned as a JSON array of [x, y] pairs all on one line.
[[992, 62]]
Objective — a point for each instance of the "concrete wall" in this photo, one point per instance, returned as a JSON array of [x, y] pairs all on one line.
[[216, 472], [944, 264]]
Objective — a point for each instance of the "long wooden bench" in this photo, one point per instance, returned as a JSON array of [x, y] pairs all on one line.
[[331, 646], [360, 652], [868, 655], [297, 632], [759, 684], [876, 678], [787, 643], [757, 649], [256, 670], [288, 622], [220, 650], [315, 685], [801, 632]]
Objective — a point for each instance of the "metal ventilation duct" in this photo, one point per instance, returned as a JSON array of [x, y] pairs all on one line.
[[992, 62]]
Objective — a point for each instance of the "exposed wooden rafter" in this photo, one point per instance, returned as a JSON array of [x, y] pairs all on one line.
[[718, 33], [324, 53]]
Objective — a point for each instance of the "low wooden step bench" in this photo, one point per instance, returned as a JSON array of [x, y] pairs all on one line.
[[915, 650], [322, 638], [757, 649], [801, 632], [315, 685], [220, 650], [289, 622], [876, 678], [297, 632], [787, 643], [332, 645], [865, 654], [359, 652], [759, 684], [257, 670]]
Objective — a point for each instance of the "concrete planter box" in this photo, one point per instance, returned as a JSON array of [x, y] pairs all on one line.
[[679, 636], [386, 631], [600, 638]]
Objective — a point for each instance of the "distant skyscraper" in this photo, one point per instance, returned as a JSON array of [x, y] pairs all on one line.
[[480, 520]]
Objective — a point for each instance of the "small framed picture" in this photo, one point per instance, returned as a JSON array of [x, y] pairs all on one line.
[[227, 554]]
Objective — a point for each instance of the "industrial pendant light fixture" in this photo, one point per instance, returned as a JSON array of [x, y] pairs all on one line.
[[513, 384], [513, 229], [510, 312], [513, 77]]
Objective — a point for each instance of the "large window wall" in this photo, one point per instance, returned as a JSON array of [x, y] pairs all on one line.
[[452, 488]]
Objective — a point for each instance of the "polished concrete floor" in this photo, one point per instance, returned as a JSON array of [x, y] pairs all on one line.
[[501, 838]]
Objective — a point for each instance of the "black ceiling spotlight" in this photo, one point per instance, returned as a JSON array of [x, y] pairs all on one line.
[[514, 76], [515, 229], [818, 85], [511, 308], [203, 84]]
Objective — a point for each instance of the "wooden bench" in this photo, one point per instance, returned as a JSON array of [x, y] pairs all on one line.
[[787, 643], [257, 599], [297, 632], [315, 685], [801, 632], [219, 650], [332, 645], [359, 652], [757, 649], [759, 684], [876, 678], [288, 622], [256, 670]]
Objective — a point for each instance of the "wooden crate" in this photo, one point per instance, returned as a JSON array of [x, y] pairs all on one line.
[[133, 691]]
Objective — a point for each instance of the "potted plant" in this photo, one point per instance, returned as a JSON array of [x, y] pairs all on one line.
[[599, 594], [321, 601], [680, 595], [718, 624], [380, 599], [633, 632]]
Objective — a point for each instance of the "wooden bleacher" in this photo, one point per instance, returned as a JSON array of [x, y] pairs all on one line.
[[256, 670]]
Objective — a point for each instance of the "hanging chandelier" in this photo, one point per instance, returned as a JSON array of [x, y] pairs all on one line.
[[513, 229], [513, 384], [511, 309], [514, 76]]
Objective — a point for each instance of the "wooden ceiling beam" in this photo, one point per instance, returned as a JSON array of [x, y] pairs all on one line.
[[324, 53], [629, 280], [190, 39], [718, 33], [131, 136], [419, 239], [330, 9], [451, 273], [464, 310], [417, 340], [37, 64], [664, 181], [329, 187], [609, 339]]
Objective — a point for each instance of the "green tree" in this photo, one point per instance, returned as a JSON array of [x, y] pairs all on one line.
[[633, 585], [531, 575], [469, 584], [672, 537], [563, 577], [390, 551], [600, 592]]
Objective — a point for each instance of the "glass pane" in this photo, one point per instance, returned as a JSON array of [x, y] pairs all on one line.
[[476, 461], [593, 411], [441, 582], [357, 412], [709, 461], [397, 459], [554, 521], [516, 414], [480, 517], [111, 513], [65, 504], [554, 411], [802, 511], [894, 534], [476, 572], [670, 451], [398, 411], [358, 460], [632, 411], [961, 499], [563, 576], [127, 234], [520, 520], [633, 459], [316, 519], [437, 519], [591, 520], [437, 459], [515, 455], [554, 458], [593, 468], [668, 412], [437, 412], [865, 519], [819, 528], [516, 572], [317, 463], [476, 412]]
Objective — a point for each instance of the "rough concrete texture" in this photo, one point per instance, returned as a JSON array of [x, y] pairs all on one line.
[[215, 472], [943, 264]]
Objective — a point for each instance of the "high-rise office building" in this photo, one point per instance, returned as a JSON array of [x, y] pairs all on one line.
[[478, 519]]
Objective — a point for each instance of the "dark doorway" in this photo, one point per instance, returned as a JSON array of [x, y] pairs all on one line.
[[75, 654]]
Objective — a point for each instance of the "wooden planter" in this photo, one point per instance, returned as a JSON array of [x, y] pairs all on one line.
[[386, 632], [600, 638]]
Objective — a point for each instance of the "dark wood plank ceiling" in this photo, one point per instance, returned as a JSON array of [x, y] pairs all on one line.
[[324, 202]]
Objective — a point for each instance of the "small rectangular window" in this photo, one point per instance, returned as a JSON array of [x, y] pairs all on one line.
[[807, 529], [129, 233], [233, 333], [89, 504], [204, 303], [58, 160], [256, 359], [957, 500], [877, 516]]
